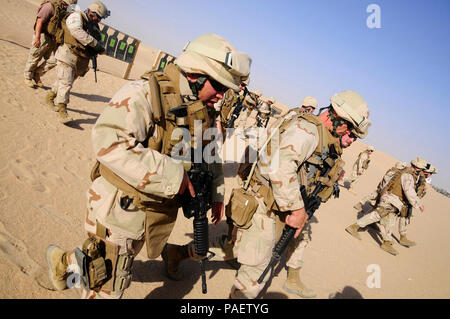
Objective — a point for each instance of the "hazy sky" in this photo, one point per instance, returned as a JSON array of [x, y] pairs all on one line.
[[319, 48]]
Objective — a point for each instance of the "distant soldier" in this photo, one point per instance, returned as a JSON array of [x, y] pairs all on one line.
[[359, 167], [136, 184], [372, 197], [307, 142], [309, 104], [394, 200], [46, 29], [81, 43], [404, 221], [263, 116]]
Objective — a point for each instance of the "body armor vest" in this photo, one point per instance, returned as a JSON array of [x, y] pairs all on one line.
[[75, 46], [53, 27], [395, 184]]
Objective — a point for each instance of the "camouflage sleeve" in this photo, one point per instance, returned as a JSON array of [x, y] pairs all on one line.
[[117, 141], [408, 186], [297, 145], [75, 25]]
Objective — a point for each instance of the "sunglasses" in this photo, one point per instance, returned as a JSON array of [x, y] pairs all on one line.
[[219, 87]]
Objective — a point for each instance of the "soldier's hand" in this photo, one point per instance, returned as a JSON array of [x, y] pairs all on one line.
[[186, 183], [217, 212], [422, 208], [37, 42], [297, 219]]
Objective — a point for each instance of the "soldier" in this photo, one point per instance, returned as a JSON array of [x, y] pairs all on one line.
[[372, 197], [393, 201], [309, 104], [133, 198], [44, 43], [359, 167], [263, 116], [404, 221], [307, 143], [81, 43]]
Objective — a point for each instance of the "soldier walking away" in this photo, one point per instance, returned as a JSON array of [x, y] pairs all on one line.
[[359, 167], [308, 151], [396, 196], [47, 34], [135, 194], [81, 43]]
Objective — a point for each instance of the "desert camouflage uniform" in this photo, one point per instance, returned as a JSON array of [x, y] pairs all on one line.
[[45, 50], [256, 243], [372, 197], [355, 171], [389, 206], [118, 138], [69, 65]]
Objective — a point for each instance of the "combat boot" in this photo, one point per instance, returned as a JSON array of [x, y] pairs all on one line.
[[172, 256], [62, 114], [387, 246], [406, 242], [29, 83], [50, 101], [358, 206], [353, 230], [37, 79], [57, 266], [294, 285]]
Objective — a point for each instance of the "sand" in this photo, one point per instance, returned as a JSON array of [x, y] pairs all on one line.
[[44, 177]]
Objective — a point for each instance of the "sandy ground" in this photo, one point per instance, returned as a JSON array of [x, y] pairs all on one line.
[[44, 177]]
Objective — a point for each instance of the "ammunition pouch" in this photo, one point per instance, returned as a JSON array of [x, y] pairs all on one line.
[[241, 208]]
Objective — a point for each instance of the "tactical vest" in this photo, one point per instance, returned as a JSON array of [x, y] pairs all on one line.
[[395, 184], [230, 99], [53, 26], [73, 44], [365, 164], [309, 172]]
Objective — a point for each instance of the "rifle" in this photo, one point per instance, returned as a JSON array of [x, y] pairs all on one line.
[[237, 110], [312, 202], [197, 207], [94, 56]]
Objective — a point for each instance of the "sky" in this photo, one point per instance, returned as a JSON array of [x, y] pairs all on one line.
[[400, 66]]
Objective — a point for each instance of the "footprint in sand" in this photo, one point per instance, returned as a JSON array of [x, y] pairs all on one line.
[[24, 172], [16, 253]]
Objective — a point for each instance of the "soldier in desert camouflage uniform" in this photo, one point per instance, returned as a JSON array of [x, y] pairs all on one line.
[[277, 193], [359, 167], [396, 195], [44, 43], [309, 104], [133, 198], [81, 42]]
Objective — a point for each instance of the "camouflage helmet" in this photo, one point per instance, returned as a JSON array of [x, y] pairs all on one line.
[[310, 101], [420, 163], [216, 57], [258, 92], [350, 106], [401, 165], [264, 108], [271, 100], [99, 8], [370, 148], [70, 2]]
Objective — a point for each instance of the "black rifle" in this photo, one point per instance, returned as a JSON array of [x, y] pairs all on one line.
[[312, 202], [96, 35], [409, 212], [197, 207], [238, 109]]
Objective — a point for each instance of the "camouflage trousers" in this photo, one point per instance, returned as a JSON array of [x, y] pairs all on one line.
[[386, 214], [125, 230], [65, 77], [35, 55], [254, 249], [370, 198], [354, 176]]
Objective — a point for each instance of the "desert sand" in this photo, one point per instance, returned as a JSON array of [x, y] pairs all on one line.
[[44, 176]]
